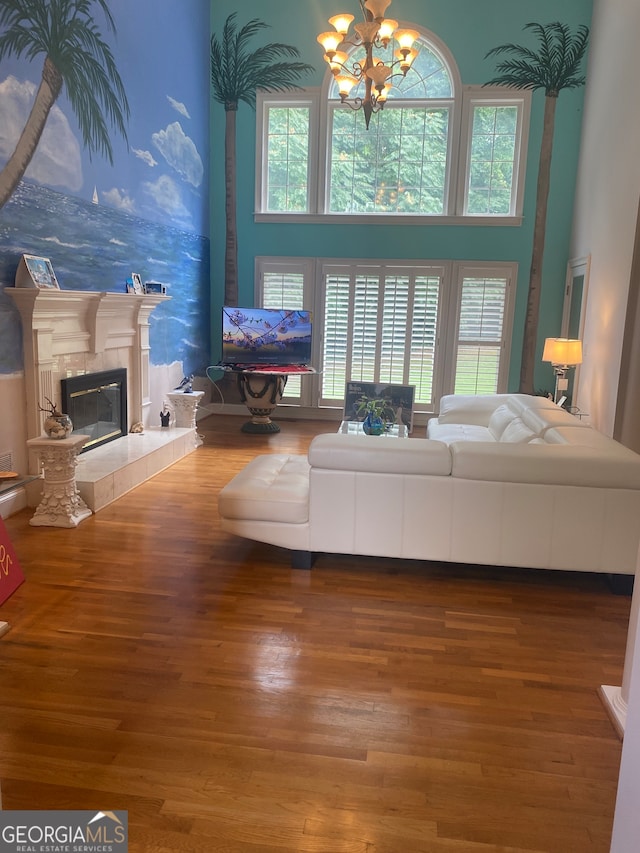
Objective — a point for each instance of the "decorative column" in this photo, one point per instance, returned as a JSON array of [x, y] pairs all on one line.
[[61, 504], [185, 406]]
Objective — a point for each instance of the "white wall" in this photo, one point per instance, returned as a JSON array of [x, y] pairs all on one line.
[[604, 227], [607, 198]]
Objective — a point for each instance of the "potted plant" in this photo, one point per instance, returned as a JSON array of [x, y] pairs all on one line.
[[377, 414]]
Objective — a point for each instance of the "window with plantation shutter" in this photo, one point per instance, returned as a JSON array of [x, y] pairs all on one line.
[[480, 334], [380, 326], [282, 286], [442, 327]]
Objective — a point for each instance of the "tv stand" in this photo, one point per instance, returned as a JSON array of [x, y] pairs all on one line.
[[261, 392], [261, 389]]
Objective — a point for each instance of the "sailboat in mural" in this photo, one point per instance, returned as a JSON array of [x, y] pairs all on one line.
[[76, 56], [94, 198]]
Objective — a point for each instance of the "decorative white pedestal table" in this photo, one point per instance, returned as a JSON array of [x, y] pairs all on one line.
[[185, 406], [61, 504]]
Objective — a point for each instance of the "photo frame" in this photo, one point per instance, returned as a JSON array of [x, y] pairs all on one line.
[[137, 283], [34, 271], [400, 399]]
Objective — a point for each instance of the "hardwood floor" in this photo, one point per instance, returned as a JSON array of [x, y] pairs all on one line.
[[229, 703]]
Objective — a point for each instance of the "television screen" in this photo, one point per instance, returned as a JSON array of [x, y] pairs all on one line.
[[266, 336]]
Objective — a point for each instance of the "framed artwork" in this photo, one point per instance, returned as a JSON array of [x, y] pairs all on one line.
[[134, 284], [36, 272], [399, 400]]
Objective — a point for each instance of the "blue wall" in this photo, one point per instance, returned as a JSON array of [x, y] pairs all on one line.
[[469, 29], [152, 210]]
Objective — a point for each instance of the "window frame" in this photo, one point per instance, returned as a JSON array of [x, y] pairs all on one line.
[[464, 98], [499, 96], [448, 326]]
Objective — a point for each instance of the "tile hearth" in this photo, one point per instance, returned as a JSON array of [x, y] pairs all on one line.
[[108, 472]]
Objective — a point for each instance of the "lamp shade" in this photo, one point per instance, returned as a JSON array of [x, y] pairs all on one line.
[[562, 351]]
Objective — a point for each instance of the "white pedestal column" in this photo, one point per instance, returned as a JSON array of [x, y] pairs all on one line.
[[61, 504], [185, 406]]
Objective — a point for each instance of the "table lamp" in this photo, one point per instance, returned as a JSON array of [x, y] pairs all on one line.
[[563, 353]]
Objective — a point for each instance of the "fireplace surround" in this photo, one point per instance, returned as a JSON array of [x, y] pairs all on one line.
[[68, 334], [97, 405]]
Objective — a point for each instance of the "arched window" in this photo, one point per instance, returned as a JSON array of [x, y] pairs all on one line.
[[401, 162], [437, 151]]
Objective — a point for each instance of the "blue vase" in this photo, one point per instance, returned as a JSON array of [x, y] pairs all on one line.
[[373, 424]]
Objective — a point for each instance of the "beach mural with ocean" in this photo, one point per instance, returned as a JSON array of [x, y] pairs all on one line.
[[144, 208]]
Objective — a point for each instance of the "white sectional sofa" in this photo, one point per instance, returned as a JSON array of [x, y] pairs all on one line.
[[506, 479]]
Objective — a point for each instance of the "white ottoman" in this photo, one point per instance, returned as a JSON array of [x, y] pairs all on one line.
[[269, 500]]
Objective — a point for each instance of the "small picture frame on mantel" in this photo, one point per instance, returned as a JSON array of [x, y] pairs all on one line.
[[34, 271]]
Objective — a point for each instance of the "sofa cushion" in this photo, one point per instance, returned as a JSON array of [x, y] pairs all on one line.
[[457, 432], [540, 420], [468, 409], [499, 420], [588, 437], [379, 455], [517, 432], [556, 464], [272, 487]]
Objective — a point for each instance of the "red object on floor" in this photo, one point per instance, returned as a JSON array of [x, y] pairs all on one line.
[[10, 572]]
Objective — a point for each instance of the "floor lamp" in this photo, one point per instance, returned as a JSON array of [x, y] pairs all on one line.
[[563, 353]]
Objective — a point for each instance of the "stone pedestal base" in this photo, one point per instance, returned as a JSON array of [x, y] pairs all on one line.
[[61, 504], [261, 393]]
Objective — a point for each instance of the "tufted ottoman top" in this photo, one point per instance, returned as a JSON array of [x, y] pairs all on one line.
[[273, 487]]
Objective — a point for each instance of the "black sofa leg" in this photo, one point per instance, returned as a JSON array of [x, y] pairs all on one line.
[[620, 584], [302, 559]]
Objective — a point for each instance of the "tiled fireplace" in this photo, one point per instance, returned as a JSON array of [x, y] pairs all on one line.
[[69, 334]]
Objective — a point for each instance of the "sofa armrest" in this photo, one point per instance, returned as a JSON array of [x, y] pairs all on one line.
[[380, 455]]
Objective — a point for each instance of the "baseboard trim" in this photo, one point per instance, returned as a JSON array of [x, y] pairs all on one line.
[[13, 501], [615, 706]]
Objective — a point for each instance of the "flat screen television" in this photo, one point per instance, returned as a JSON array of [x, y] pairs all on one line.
[[277, 336]]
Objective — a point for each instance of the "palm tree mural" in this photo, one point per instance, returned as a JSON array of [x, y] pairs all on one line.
[[555, 66], [236, 74], [76, 57]]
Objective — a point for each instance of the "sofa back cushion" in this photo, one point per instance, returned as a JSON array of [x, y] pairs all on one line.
[[556, 464], [380, 455], [517, 432], [469, 409]]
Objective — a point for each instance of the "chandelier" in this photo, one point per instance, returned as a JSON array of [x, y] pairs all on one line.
[[374, 34]]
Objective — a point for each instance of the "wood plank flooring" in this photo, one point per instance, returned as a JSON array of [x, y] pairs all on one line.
[[229, 703]]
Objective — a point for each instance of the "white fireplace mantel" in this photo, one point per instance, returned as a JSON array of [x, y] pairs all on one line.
[[68, 332]]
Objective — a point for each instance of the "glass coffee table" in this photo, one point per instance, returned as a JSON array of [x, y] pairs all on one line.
[[355, 428]]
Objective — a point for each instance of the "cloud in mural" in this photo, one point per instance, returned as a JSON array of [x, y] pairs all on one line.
[[178, 107], [119, 199], [56, 161], [180, 153], [167, 196], [146, 157]]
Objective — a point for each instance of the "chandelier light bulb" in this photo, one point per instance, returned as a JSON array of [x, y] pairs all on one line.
[[341, 23], [337, 61], [405, 57], [387, 28], [383, 93], [377, 7], [406, 38], [330, 42], [345, 84]]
